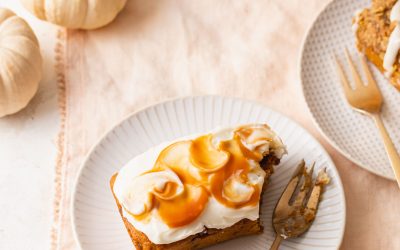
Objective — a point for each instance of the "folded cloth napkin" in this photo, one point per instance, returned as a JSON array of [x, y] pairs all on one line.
[[161, 49]]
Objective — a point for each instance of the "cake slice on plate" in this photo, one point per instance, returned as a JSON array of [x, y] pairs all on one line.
[[199, 190], [377, 33]]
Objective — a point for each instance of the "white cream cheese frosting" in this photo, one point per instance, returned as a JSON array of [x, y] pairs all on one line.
[[394, 41], [356, 15], [137, 183]]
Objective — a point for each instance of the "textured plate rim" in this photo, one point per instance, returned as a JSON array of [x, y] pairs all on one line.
[[254, 102], [326, 137]]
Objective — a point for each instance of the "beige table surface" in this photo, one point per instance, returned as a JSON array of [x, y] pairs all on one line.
[[27, 155], [28, 151]]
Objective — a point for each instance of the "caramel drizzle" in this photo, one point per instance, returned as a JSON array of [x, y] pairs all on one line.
[[216, 166]]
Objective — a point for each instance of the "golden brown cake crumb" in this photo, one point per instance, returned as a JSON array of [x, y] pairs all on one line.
[[373, 28]]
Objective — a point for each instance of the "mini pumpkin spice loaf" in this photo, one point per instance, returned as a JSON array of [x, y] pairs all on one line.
[[197, 191], [378, 36]]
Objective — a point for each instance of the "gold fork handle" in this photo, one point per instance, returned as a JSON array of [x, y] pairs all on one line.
[[390, 148], [277, 242]]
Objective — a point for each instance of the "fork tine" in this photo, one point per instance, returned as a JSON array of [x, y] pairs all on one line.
[[312, 169], [305, 188], [354, 72], [314, 198], [300, 169], [291, 187], [367, 71], [343, 78], [313, 201], [370, 78]]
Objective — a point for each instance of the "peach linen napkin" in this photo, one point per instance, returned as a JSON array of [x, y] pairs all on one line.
[[161, 49]]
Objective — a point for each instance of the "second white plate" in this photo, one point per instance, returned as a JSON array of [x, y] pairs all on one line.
[[97, 223], [351, 133]]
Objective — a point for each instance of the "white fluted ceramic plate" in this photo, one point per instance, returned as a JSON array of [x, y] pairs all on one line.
[[96, 219], [351, 133]]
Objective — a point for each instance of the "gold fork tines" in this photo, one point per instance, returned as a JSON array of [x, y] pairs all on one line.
[[366, 98], [295, 211]]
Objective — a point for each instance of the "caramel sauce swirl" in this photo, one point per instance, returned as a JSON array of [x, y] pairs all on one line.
[[187, 173]]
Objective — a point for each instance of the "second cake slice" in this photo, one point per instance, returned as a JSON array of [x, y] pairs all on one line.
[[377, 33]]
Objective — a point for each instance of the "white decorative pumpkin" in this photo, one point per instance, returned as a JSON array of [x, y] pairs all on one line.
[[76, 14], [20, 63]]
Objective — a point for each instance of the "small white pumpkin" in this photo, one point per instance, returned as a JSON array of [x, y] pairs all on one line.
[[76, 14], [20, 63]]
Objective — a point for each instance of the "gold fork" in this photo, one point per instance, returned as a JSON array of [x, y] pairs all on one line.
[[366, 98], [295, 211]]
